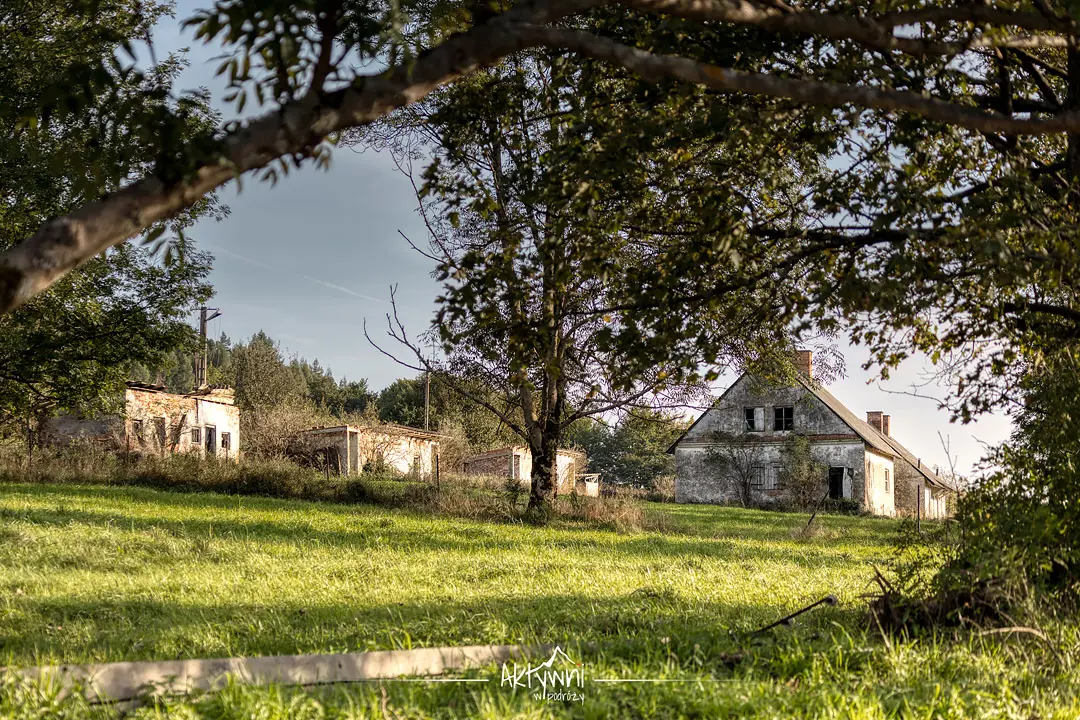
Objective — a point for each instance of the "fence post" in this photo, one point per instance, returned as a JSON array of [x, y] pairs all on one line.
[[918, 507], [29, 452], [437, 478]]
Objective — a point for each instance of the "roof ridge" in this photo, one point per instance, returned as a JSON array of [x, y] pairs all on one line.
[[876, 437]]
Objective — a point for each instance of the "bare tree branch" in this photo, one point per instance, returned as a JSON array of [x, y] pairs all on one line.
[[873, 33]]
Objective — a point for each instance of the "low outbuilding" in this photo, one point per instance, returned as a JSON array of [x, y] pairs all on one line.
[[353, 450], [160, 422], [515, 461]]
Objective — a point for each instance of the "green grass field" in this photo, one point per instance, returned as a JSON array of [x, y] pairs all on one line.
[[104, 574]]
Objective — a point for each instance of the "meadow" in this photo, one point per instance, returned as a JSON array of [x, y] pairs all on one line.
[[98, 573]]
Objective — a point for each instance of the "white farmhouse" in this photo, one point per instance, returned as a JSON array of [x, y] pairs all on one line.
[[861, 458]]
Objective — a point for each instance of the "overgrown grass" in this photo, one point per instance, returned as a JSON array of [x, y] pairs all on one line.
[[98, 573], [488, 498]]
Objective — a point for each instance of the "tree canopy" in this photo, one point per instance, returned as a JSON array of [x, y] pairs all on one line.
[[931, 148], [988, 74], [69, 349]]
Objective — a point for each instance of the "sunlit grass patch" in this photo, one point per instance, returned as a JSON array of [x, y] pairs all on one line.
[[94, 573]]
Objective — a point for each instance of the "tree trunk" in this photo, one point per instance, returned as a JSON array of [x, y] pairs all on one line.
[[544, 475], [1072, 102]]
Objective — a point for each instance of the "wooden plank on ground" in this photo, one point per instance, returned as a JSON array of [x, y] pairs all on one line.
[[121, 681]]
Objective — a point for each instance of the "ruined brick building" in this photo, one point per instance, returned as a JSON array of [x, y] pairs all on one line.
[[206, 422], [754, 421], [353, 450], [515, 461]]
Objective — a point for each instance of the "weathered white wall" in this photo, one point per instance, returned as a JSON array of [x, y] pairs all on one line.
[[225, 419], [566, 470], [180, 413], [404, 454], [935, 503], [697, 480], [880, 501], [356, 447], [502, 463]]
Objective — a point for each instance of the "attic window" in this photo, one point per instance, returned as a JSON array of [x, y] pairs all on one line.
[[784, 418], [748, 414]]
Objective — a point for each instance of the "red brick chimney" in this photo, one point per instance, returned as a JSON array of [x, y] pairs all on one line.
[[804, 362], [873, 418], [886, 426]]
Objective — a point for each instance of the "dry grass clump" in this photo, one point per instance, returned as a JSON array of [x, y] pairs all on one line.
[[813, 532], [478, 498], [619, 513], [983, 604]]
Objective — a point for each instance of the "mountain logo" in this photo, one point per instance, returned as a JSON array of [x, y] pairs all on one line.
[[558, 678]]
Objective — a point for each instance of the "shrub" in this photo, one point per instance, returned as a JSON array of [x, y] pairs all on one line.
[[622, 513], [801, 475], [1018, 546], [270, 432], [663, 489]]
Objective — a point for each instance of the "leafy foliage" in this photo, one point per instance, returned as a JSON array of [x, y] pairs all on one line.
[[1024, 518], [632, 451], [545, 217], [801, 475], [65, 140]]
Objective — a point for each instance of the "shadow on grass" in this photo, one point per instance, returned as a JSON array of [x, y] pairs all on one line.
[[107, 630], [740, 540]]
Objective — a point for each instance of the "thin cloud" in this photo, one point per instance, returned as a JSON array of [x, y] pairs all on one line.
[[315, 280]]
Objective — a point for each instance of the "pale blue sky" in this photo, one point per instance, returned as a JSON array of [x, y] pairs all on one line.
[[307, 261]]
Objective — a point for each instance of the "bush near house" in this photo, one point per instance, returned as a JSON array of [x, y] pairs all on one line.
[[801, 476]]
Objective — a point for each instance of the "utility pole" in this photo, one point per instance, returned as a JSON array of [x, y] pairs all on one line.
[[427, 392], [201, 363], [427, 400]]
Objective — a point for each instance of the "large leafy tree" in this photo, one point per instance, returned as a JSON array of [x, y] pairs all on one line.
[[263, 379], [68, 348], [536, 278], [949, 128], [309, 61]]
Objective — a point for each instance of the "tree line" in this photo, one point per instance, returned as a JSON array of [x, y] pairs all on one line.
[[280, 394]]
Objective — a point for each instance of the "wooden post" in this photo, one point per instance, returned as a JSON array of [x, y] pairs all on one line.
[[437, 479], [918, 507], [29, 451]]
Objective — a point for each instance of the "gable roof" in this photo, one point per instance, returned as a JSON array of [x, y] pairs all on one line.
[[877, 440], [862, 428], [671, 448], [918, 465]]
